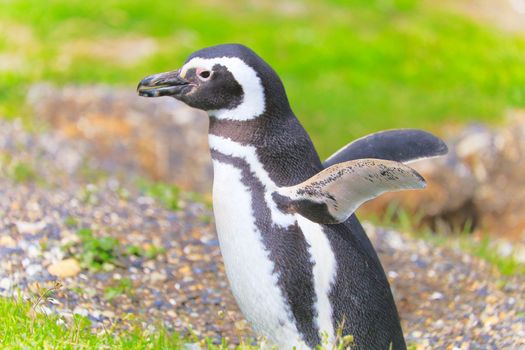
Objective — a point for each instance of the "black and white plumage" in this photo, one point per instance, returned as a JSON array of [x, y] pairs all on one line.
[[299, 263]]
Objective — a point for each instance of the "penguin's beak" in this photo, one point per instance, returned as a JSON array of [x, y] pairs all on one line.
[[163, 84]]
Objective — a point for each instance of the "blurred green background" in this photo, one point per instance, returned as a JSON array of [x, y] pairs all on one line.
[[350, 67]]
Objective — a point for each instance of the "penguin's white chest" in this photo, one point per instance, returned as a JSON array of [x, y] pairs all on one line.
[[253, 280]]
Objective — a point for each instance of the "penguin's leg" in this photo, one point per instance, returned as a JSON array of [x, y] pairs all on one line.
[[332, 195], [403, 145]]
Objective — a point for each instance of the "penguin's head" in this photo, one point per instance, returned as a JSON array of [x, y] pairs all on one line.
[[228, 81]]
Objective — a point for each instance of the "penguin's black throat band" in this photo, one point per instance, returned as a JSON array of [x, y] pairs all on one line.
[[164, 84]]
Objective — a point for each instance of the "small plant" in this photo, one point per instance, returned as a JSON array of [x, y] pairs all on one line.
[[205, 219], [78, 290], [206, 200], [16, 170], [153, 251], [43, 295], [123, 286], [22, 172], [88, 194], [341, 342], [168, 195], [92, 174], [104, 253], [97, 252], [150, 252], [5, 160], [71, 222], [134, 250], [44, 243], [123, 193]]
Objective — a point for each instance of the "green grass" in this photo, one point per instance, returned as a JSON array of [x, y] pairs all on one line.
[[24, 324], [483, 248], [23, 328], [350, 67]]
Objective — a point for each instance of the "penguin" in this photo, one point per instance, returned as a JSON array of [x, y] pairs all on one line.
[[299, 263]]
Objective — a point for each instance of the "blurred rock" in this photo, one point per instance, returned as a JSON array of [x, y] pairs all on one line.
[[6, 241], [64, 268], [30, 227], [158, 138], [479, 184]]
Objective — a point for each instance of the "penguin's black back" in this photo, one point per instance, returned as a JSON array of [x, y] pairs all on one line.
[[360, 296], [361, 293]]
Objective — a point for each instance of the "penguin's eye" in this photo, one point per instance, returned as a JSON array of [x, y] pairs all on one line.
[[203, 74]]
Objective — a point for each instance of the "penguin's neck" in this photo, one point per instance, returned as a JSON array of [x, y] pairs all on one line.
[[257, 132], [279, 144]]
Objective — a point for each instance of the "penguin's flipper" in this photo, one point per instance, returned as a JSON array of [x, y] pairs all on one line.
[[332, 195], [402, 145]]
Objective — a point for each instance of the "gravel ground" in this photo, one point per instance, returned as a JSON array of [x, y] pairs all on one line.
[[447, 299]]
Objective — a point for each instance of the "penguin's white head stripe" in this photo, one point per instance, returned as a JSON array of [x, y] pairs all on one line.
[[253, 103]]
